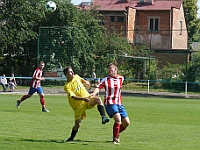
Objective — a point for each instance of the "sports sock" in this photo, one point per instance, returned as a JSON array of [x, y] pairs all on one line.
[[122, 128], [24, 98], [42, 101], [116, 129], [101, 110], [73, 134]]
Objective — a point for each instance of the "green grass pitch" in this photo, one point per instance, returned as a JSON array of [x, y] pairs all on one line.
[[156, 124]]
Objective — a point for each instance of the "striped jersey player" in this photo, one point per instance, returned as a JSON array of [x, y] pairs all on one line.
[[113, 100], [35, 86]]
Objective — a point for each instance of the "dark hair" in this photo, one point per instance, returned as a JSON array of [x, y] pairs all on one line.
[[66, 69]]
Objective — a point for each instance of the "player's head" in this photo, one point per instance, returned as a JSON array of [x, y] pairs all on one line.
[[69, 73], [112, 69], [41, 66]]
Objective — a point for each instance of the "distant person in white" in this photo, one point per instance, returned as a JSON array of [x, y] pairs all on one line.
[[3, 82]]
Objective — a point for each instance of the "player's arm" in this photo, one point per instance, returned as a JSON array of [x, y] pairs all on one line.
[[72, 95], [96, 90], [37, 78], [85, 82], [86, 99]]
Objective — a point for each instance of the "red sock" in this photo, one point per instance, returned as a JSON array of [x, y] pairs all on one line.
[[116, 129], [24, 98], [122, 128], [42, 101]]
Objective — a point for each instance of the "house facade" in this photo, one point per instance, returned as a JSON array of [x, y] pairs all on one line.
[[158, 24]]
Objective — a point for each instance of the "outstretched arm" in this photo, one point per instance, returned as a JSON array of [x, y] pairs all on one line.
[[85, 82], [96, 90], [86, 99]]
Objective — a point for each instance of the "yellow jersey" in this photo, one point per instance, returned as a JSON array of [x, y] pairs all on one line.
[[75, 87]]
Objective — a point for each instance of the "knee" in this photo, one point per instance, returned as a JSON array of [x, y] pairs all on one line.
[[126, 123], [98, 100]]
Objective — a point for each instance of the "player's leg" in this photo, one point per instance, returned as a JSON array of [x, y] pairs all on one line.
[[113, 112], [74, 131], [42, 101], [125, 119], [121, 125], [116, 127], [24, 97], [97, 101], [125, 124]]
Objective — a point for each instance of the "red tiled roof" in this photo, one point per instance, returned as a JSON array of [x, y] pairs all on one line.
[[120, 5]]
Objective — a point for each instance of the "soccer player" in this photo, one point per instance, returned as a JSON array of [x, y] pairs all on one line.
[[80, 100], [35, 86], [113, 100]]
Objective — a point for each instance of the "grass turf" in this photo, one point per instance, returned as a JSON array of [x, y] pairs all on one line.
[[156, 123]]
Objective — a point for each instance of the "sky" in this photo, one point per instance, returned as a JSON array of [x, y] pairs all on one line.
[[76, 2]]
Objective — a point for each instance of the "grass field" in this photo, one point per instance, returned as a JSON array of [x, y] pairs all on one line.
[[156, 124]]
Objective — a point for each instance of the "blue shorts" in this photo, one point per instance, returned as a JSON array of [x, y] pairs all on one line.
[[113, 109], [33, 90]]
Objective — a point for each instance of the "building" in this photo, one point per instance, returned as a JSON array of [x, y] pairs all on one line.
[[158, 24]]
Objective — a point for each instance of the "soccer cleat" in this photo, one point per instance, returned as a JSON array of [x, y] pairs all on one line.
[[18, 103], [116, 141], [68, 140], [45, 110], [105, 120]]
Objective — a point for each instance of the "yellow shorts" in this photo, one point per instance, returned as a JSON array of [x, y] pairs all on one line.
[[80, 112]]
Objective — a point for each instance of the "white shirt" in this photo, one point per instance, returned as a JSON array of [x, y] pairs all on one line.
[[94, 75], [3, 80]]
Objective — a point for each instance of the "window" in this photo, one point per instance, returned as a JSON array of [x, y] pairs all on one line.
[[153, 24], [117, 18], [112, 18], [120, 18], [101, 21], [181, 26]]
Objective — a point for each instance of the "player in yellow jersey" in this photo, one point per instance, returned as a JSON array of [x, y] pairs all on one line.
[[80, 100]]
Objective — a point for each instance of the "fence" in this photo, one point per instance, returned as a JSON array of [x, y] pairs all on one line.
[[133, 85]]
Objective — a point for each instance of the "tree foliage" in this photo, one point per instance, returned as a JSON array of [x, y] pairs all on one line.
[[91, 45], [193, 23], [20, 22]]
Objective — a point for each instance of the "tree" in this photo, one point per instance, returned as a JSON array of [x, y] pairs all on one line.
[[17, 21], [90, 44], [193, 23], [20, 23]]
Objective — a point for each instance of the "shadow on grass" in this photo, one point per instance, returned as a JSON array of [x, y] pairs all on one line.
[[59, 141], [10, 110]]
